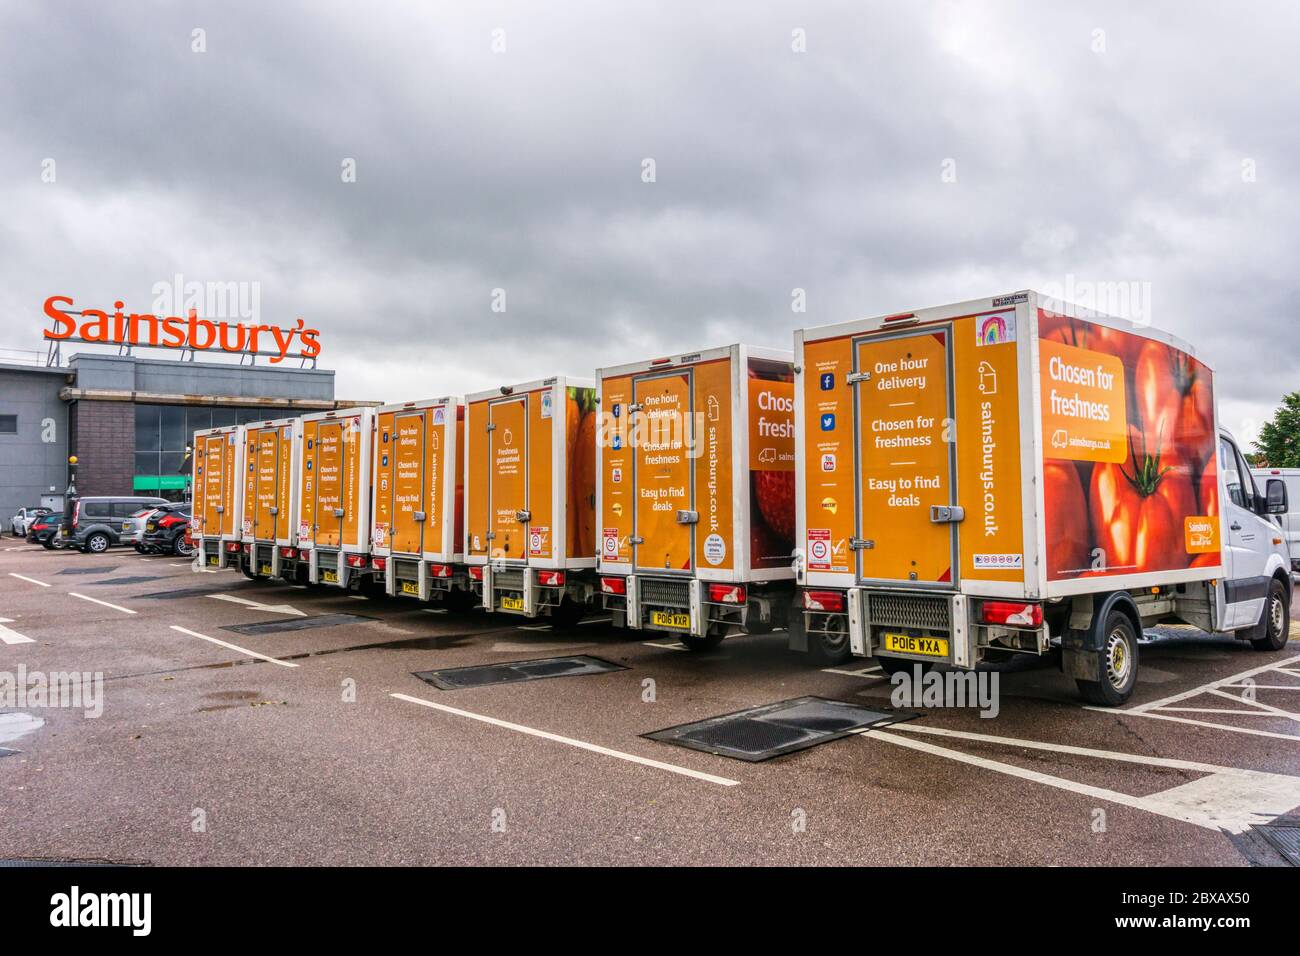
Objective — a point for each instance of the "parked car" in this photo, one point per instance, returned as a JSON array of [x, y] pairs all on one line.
[[44, 530], [21, 523], [164, 532], [135, 532], [96, 524]]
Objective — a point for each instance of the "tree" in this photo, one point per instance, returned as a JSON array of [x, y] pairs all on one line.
[[1279, 440]]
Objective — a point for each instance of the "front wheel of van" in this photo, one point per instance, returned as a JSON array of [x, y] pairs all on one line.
[[1274, 625], [97, 543], [1117, 664], [694, 642]]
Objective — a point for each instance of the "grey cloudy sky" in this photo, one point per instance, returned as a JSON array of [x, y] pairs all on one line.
[[1091, 143]]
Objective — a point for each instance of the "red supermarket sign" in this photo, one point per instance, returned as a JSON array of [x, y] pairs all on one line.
[[98, 327]]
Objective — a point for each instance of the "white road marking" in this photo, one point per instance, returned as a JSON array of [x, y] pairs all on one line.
[[115, 607], [358, 597], [597, 620], [1228, 798], [1205, 723], [21, 577], [864, 672], [258, 606], [1176, 698], [233, 647], [580, 744], [1266, 708], [434, 610], [666, 647], [534, 627], [15, 724], [12, 637]]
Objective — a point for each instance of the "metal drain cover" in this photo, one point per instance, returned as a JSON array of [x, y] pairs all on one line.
[[106, 569], [193, 592], [299, 623], [483, 675], [1284, 839], [134, 579], [761, 733]]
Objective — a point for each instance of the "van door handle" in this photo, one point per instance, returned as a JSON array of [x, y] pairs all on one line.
[[1234, 526]]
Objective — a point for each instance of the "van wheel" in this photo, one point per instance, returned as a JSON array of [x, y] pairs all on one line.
[[459, 600], [696, 643], [97, 543], [1274, 626], [830, 646], [1117, 664]]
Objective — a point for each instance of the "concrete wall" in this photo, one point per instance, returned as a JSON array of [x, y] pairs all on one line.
[[29, 464], [124, 373]]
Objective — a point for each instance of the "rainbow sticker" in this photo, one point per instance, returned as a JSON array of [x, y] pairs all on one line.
[[996, 329]]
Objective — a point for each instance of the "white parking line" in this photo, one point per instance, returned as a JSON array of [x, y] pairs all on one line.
[[597, 620], [1176, 698], [534, 627], [233, 647], [21, 577], [864, 672], [580, 744], [666, 647], [115, 607], [12, 637], [1227, 798]]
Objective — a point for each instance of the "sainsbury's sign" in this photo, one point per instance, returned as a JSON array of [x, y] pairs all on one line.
[[173, 332]]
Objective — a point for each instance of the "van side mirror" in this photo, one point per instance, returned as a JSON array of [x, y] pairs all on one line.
[[1275, 497]]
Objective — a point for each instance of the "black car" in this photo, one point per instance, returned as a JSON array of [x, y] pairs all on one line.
[[44, 531], [164, 531], [96, 524]]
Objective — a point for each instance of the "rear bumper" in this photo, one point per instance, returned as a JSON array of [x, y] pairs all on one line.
[[680, 605], [519, 590], [419, 578]]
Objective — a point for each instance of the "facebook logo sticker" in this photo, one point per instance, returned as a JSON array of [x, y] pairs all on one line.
[[828, 422], [828, 381]]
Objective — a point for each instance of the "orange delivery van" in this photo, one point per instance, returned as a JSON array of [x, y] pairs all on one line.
[[268, 529], [417, 511], [218, 461], [530, 530], [334, 496], [695, 498], [1016, 475]]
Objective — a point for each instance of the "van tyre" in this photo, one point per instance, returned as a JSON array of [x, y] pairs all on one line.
[[830, 647], [1117, 664], [1274, 626], [567, 614], [97, 543]]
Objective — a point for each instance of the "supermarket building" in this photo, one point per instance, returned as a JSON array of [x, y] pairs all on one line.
[[128, 419]]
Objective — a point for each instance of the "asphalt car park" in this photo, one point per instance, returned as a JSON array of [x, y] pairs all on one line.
[[258, 723]]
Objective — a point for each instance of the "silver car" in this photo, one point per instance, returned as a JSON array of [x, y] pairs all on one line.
[[133, 527]]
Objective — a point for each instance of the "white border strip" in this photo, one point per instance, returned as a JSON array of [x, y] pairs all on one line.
[[580, 744], [28, 580]]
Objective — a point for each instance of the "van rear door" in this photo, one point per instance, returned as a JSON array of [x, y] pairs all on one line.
[[905, 455], [661, 426], [408, 510], [329, 484], [266, 483], [508, 478]]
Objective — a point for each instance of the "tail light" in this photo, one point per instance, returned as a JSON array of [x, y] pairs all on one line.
[[287, 552], [441, 571], [76, 512], [248, 549], [727, 594], [551, 579], [476, 572], [356, 560], [1011, 613], [170, 521], [380, 564], [188, 537], [830, 601], [232, 547], [613, 585], [304, 555]]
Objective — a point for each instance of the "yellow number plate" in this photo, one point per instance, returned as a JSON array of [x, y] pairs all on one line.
[[264, 569], [410, 587], [669, 619], [213, 560], [906, 644], [330, 577], [512, 604]]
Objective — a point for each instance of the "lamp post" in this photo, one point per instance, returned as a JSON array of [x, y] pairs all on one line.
[[72, 478]]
